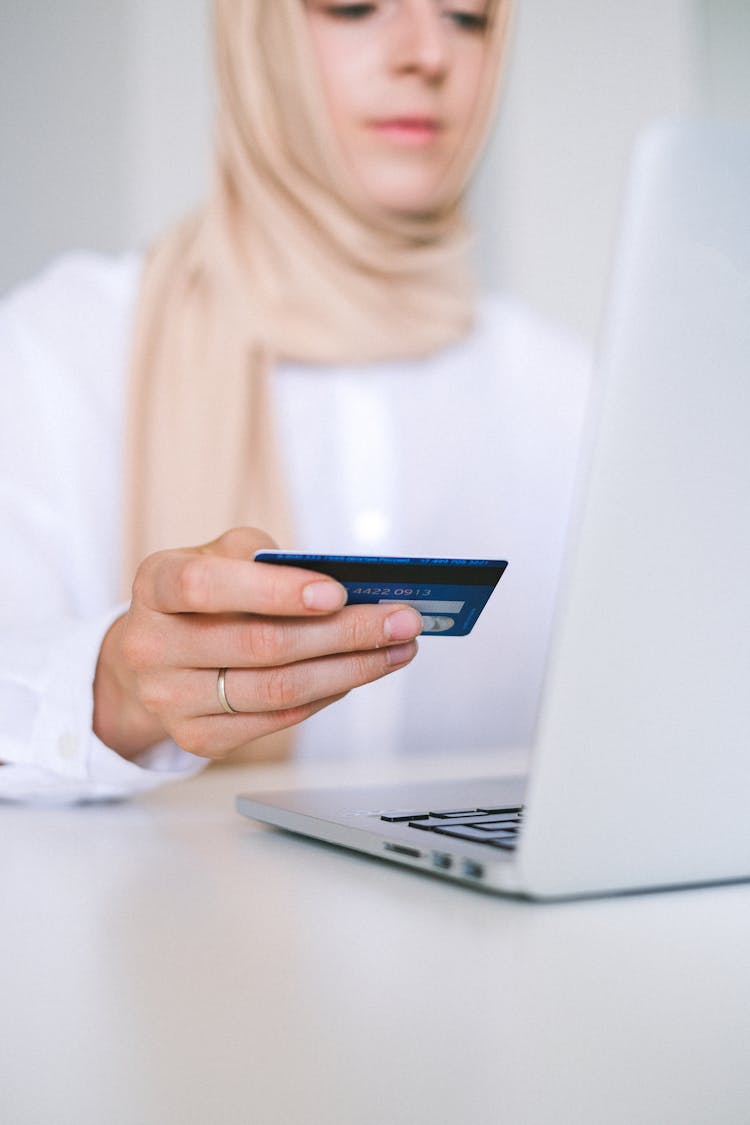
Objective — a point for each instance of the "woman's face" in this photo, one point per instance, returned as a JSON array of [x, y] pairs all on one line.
[[401, 80]]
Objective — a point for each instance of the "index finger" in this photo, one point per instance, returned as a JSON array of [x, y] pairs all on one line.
[[192, 582]]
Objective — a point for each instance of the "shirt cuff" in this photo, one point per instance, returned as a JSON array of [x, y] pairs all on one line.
[[63, 760]]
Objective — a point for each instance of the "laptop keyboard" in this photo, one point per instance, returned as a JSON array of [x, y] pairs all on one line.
[[497, 827]]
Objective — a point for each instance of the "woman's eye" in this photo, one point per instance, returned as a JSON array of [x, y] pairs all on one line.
[[468, 21], [350, 11], [464, 18]]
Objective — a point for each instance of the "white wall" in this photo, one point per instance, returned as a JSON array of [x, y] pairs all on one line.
[[727, 24], [584, 77], [63, 105], [105, 121], [169, 111]]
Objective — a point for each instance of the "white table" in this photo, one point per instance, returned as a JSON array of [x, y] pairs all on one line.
[[169, 961]]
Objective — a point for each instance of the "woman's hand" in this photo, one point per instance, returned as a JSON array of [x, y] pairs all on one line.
[[288, 642]]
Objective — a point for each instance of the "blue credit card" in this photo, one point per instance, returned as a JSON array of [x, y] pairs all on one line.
[[449, 593]]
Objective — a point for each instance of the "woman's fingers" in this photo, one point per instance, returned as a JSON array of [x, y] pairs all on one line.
[[293, 685], [205, 581], [289, 642], [195, 693], [246, 641], [216, 736]]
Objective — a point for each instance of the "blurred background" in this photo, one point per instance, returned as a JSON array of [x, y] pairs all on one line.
[[105, 120]]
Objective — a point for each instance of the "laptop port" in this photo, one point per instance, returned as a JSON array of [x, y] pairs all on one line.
[[441, 860], [472, 869], [402, 849]]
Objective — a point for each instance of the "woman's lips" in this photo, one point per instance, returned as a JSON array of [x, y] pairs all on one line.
[[407, 130]]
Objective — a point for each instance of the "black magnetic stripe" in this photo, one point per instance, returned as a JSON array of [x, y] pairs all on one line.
[[485, 574]]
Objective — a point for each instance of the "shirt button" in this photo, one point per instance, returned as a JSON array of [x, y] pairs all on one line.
[[67, 746]]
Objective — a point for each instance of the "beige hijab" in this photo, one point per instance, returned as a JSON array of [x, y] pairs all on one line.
[[284, 262]]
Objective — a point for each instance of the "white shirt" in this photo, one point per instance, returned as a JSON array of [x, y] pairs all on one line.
[[470, 452]]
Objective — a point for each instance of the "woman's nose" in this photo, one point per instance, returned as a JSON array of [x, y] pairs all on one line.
[[419, 38]]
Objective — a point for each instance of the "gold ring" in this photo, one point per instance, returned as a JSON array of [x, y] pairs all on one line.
[[221, 691]]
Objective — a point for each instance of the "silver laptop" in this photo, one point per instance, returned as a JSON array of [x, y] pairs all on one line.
[[640, 774]]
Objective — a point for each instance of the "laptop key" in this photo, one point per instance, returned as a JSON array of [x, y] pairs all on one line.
[[518, 809], [453, 812], [434, 822], [510, 820], [499, 825], [479, 819], [463, 832], [397, 815]]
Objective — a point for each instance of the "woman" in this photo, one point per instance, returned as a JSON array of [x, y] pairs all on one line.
[[305, 355]]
